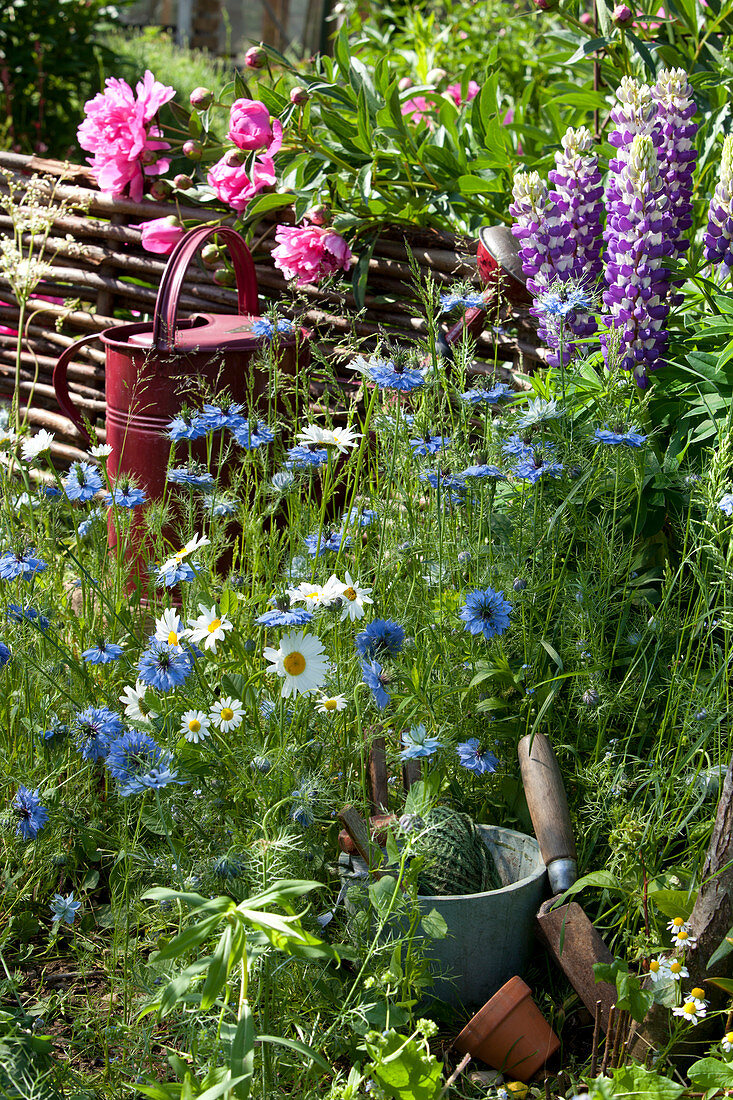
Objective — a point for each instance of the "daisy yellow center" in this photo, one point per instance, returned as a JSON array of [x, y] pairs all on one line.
[[681, 935], [350, 593], [690, 1008], [678, 922], [699, 993], [330, 704], [729, 1036], [172, 638], [675, 967], [227, 714], [213, 625], [654, 966], [294, 664], [194, 725]]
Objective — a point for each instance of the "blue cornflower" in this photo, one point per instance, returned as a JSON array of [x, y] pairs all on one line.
[[293, 616], [23, 565], [470, 300], [477, 760], [31, 814], [65, 908], [535, 466], [303, 458], [125, 496], [197, 479], [380, 638], [388, 375], [484, 470], [267, 328], [375, 678], [164, 668], [430, 445], [103, 653], [326, 544], [417, 743], [486, 612], [4, 654], [629, 438], [175, 571], [480, 396], [181, 428], [17, 614], [82, 482], [726, 504]]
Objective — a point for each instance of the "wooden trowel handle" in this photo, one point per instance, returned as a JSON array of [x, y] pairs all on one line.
[[548, 808]]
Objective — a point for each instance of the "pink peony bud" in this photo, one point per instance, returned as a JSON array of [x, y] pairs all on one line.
[[250, 127], [255, 58], [210, 255], [405, 83], [545, 5], [309, 253], [161, 235], [586, 18], [317, 215], [435, 76], [299, 96], [622, 15], [160, 190], [183, 183], [192, 149], [234, 158], [201, 98]]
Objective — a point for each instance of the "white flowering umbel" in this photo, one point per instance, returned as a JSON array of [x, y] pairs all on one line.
[[719, 234]]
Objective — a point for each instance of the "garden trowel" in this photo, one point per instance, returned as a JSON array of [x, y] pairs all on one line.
[[565, 930]]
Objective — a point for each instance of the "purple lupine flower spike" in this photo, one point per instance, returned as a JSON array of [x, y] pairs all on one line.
[[634, 113], [719, 234], [637, 297], [676, 152], [578, 195]]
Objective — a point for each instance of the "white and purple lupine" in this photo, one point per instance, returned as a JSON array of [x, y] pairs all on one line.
[[719, 235], [676, 152], [637, 294], [635, 113], [578, 196]]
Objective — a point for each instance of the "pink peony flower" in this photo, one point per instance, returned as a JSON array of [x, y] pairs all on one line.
[[309, 253], [119, 131], [234, 187], [454, 91], [419, 110], [250, 127], [161, 235]]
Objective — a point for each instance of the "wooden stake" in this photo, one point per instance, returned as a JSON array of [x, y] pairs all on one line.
[[596, 1032], [609, 1039]]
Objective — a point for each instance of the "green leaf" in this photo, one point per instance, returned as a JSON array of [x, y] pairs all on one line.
[[634, 1082], [381, 895], [605, 880], [631, 997], [434, 925], [242, 1053], [301, 1048], [608, 972], [722, 950], [673, 903], [281, 892], [228, 1083], [405, 1069], [189, 938], [725, 984], [711, 1073], [218, 971]]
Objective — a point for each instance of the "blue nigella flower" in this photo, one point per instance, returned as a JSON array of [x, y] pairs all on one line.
[[326, 544], [65, 908], [125, 496], [32, 816], [157, 777], [430, 445], [164, 668], [197, 479], [292, 616], [417, 743], [174, 572], [181, 428], [49, 491], [629, 438], [362, 517], [17, 614], [484, 470], [535, 466], [93, 730], [82, 482], [726, 504], [303, 458], [451, 482], [387, 375], [374, 677], [515, 445], [228, 868], [91, 521], [250, 439], [266, 328], [102, 718], [282, 481], [304, 798], [138, 763], [103, 653], [380, 638], [4, 654], [477, 760], [480, 396], [486, 612], [562, 303], [57, 730], [539, 411], [261, 764], [23, 565], [472, 300]]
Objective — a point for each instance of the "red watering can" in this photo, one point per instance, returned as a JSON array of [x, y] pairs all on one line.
[[149, 366]]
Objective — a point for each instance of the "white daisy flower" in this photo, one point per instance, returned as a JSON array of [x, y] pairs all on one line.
[[227, 714], [658, 969], [169, 628], [676, 969], [32, 446], [353, 599], [300, 660], [343, 438], [209, 628], [195, 726], [193, 544], [691, 1010], [100, 450], [676, 923], [134, 701], [727, 1042], [333, 590], [327, 704], [309, 594], [683, 938]]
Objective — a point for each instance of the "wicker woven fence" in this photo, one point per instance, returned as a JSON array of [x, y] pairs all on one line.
[[99, 273]]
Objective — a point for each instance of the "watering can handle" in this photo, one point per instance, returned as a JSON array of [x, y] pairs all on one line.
[[166, 306], [61, 385]]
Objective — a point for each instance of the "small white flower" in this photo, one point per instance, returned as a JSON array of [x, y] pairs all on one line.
[[327, 704], [100, 450], [209, 628], [658, 970], [134, 700], [353, 599], [170, 629], [300, 661], [343, 438], [727, 1042], [333, 590], [675, 968], [690, 1010], [310, 594], [193, 544], [683, 939], [227, 714], [195, 726], [32, 446]]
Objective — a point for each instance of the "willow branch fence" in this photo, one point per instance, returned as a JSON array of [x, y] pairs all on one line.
[[99, 273]]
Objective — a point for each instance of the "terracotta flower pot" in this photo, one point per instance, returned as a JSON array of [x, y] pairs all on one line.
[[510, 1033]]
